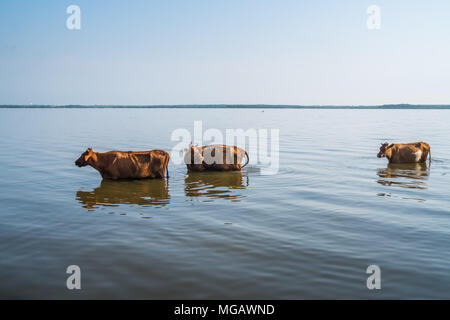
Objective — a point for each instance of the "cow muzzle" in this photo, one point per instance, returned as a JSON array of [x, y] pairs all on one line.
[[79, 164]]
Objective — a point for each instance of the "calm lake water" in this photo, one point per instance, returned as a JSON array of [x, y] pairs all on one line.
[[309, 231]]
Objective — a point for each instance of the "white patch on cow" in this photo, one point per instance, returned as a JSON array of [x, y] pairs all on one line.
[[418, 155]]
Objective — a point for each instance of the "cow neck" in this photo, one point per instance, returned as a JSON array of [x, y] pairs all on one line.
[[386, 153], [95, 164]]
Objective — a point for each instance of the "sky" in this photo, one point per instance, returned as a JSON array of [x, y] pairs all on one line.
[[148, 52]]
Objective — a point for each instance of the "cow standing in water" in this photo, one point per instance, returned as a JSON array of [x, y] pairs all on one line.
[[215, 157], [416, 152], [127, 164]]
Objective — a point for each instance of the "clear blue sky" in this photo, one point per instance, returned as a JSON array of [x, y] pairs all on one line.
[[225, 51]]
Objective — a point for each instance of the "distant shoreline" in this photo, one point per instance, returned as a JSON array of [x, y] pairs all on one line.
[[225, 106]]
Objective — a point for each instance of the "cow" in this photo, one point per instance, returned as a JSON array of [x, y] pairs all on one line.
[[127, 164], [416, 152], [216, 157]]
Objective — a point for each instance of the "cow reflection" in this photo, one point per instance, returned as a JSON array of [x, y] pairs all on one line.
[[411, 175], [219, 185], [132, 192]]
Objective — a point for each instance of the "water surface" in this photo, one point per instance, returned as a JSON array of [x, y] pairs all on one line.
[[309, 231]]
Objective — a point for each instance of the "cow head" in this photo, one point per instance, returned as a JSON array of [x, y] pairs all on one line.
[[383, 148], [84, 158]]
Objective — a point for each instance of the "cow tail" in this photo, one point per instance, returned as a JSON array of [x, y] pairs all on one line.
[[167, 166], [429, 155], [248, 159]]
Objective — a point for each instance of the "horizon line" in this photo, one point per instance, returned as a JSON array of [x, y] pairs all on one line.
[[225, 106]]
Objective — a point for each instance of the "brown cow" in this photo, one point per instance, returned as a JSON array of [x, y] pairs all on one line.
[[216, 157], [127, 164], [415, 152]]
